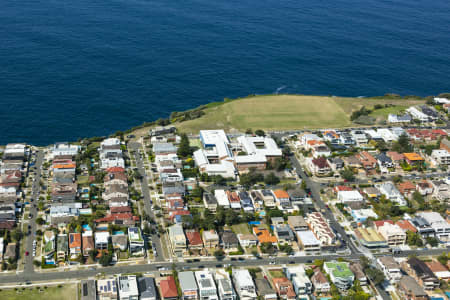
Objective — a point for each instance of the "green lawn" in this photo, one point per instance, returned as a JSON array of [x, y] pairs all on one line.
[[66, 292], [240, 228], [276, 273], [82, 180], [283, 112], [384, 112]]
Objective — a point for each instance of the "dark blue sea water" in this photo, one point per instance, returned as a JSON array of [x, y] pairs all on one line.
[[79, 68]]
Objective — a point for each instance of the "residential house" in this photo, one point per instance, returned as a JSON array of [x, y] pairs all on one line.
[[229, 241], [225, 288], [128, 288], [300, 281], [370, 238], [264, 290], [297, 223], [284, 288], [441, 157], [177, 239], [10, 252], [210, 239], [319, 166], [384, 161], [357, 269], [206, 286], [351, 198], [210, 201], [340, 274], [244, 285], [367, 160], [308, 241], [247, 240], [407, 188], [397, 158], [413, 158], [320, 282], [321, 229], [222, 198], [75, 244], [439, 225], [284, 234], [136, 242], [424, 187], [119, 241], [194, 239], [188, 285], [88, 290], [269, 199], [411, 290], [264, 236], [147, 288], [281, 197], [101, 240], [168, 289], [390, 191], [87, 243], [62, 247], [439, 270], [107, 289], [393, 234], [419, 270], [390, 267]]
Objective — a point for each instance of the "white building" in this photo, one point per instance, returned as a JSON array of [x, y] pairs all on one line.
[[128, 288], [349, 196], [216, 157], [101, 240], [440, 226], [106, 289], [136, 242], [111, 154], [206, 287], [393, 234], [222, 198], [243, 282], [300, 281], [308, 241], [390, 267], [417, 114], [440, 157], [359, 137], [224, 285], [390, 191], [387, 135], [258, 147], [60, 149]]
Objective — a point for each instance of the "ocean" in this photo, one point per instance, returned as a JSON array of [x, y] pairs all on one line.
[[71, 69]]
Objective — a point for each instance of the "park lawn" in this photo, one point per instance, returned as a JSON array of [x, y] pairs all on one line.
[[66, 292], [240, 228], [351, 104], [285, 112], [274, 112], [384, 112]]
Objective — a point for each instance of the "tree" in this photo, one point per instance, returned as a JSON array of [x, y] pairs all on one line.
[[348, 175], [443, 258], [413, 239], [402, 144], [40, 221], [219, 254], [432, 241], [260, 132], [184, 148], [377, 276], [271, 179], [106, 259]]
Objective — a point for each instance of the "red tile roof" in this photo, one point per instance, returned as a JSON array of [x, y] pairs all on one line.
[[115, 170], [120, 216], [168, 288], [120, 209], [406, 225], [194, 238], [382, 222]]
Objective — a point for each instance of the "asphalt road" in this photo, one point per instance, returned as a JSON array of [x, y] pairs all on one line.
[[315, 193], [58, 274], [29, 267], [136, 147]]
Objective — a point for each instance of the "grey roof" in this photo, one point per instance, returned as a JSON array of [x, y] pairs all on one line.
[[147, 288], [88, 290], [297, 193], [62, 243], [164, 148], [410, 284], [210, 198], [263, 287], [384, 158], [230, 238], [389, 262], [187, 281]]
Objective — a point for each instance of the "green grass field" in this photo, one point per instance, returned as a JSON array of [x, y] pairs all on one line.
[[66, 292], [284, 112], [384, 112], [240, 229]]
